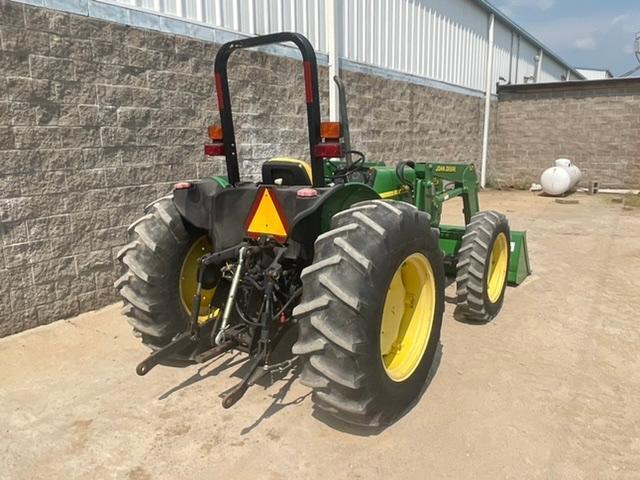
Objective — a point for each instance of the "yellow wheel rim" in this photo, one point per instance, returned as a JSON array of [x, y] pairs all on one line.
[[407, 317], [189, 280], [497, 275]]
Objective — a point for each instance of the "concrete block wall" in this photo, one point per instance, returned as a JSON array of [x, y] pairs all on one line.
[[97, 119], [595, 124]]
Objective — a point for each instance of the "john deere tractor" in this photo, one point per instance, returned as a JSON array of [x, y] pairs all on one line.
[[337, 265]]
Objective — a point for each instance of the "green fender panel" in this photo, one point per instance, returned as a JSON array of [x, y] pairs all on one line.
[[342, 199]]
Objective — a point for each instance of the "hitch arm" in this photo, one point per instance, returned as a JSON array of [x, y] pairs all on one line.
[[177, 344], [240, 389], [191, 335]]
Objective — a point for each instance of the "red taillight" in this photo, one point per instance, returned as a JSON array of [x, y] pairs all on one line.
[[214, 149], [328, 150], [182, 186]]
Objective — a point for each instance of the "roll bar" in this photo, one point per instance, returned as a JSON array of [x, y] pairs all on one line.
[[312, 96]]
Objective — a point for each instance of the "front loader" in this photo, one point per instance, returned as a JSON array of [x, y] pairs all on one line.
[[337, 265]]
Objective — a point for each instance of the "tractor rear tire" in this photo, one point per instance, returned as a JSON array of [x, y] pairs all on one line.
[[344, 306], [159, 242], [483, 266]]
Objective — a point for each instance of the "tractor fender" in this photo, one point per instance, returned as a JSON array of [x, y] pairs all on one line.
[[211, 206], [316, 220], [194, 203]]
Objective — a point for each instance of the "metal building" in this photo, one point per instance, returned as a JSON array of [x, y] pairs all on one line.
[[458, 42], [464, 45], [595, 73]]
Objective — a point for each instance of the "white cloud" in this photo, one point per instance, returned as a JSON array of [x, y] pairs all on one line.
[[584, 30], [619, 19], [591, 39], [585, 43]]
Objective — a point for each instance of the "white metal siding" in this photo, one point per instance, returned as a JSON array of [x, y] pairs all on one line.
[[445, 40], [502, 54], [552, 70], [526, 62], [442, 40]]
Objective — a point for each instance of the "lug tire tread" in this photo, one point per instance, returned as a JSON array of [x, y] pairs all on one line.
[[332, 340], [149, 259], [474, 256]]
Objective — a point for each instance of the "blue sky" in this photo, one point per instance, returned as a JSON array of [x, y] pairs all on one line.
[[585, 33]]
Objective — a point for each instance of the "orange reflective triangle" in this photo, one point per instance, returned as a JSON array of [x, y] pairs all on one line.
[[266, 216]]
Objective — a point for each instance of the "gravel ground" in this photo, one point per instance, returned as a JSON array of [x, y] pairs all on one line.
[[550, 389]]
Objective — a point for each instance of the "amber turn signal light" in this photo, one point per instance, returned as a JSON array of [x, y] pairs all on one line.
[[215, 133], [330, 130]]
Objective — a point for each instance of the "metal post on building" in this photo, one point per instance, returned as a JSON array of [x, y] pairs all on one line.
[[511, 57], [539, 66], [487, 100], [333, 49], [252, 17], [517, 61]]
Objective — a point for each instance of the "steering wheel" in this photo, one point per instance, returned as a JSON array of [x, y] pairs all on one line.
[[344, 172]]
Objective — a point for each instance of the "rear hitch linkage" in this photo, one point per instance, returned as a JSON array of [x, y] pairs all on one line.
[[231, 298], [267, 314], [223, 342], [192, 334]]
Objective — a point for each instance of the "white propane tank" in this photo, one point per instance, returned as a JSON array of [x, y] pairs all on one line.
[[560, 179]]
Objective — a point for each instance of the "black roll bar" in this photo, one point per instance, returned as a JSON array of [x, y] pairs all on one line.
[[312, 96]]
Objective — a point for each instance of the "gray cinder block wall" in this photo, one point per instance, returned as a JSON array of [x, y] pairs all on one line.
[[595, 124], [97, 119]]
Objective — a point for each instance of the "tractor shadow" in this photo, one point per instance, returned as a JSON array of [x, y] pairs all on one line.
[[361, 431], [287, 379], [204, 372], [281, 380], [451, 300]]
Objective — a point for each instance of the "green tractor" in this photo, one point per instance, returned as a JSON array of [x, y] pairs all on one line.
[[338, 265]]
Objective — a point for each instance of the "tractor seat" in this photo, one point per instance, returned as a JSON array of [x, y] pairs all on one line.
[[286, 171]]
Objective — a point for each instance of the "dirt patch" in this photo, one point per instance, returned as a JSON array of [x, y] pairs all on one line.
[[547, 390]]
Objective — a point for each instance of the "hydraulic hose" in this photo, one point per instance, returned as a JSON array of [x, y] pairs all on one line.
[[400, 171]]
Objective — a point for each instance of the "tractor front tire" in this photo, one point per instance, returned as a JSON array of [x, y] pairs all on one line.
[[371, 312], [154, 260], [483, 266]]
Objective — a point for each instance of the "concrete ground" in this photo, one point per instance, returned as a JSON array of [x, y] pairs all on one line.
[[550, 389]]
